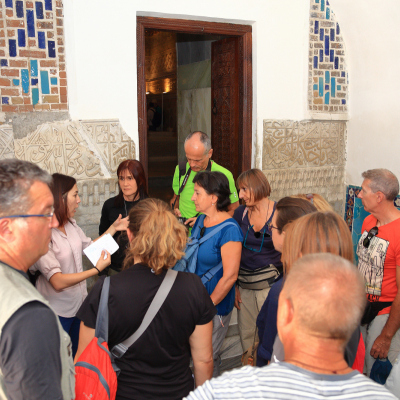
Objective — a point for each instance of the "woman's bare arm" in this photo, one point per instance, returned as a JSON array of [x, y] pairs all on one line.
[[202, 353], [230, 253]]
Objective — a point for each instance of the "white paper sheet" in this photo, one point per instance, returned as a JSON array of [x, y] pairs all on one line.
[[107, 242]]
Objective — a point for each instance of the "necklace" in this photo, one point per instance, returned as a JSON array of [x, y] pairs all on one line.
[[266, 218], [335, 372]]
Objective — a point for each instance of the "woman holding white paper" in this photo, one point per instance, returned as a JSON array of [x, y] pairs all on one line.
[[62, 279]]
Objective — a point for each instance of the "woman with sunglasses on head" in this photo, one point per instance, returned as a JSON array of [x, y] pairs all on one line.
[[62, 279], [260, 263], [132, 188], [211, 198], [317, 200], [287, 210], [318, 232]]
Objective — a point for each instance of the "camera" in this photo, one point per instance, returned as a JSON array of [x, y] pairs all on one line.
[[182, 220]]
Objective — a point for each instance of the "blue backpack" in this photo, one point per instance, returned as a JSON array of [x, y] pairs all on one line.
[[189, 262]]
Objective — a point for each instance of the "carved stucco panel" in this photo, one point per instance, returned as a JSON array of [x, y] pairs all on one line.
[[82, 149], [290, 144], [6, 142], [305, 157], [110, 141]]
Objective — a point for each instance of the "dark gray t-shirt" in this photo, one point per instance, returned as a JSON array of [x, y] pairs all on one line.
[[30, 354]]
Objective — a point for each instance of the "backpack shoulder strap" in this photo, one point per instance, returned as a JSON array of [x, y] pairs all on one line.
[[215, 231], [210, 273], [102, 313], [120, 349], [195, 232]]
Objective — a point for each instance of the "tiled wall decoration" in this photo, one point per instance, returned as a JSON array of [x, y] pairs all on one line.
[[305, 157], [327, 76], [355, 213], [33, 75]]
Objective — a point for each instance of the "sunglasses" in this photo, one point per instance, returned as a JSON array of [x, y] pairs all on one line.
[[373, 232], [257, 235]]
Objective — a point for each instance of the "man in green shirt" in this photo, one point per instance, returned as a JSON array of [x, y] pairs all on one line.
[[198, 153]]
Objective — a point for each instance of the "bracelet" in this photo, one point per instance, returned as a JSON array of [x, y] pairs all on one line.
[[97, 269]]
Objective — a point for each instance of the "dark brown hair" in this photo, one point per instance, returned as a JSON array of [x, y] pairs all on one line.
[[256, 181], [289, 209], [60, 187], [216, 183], [137, 171]]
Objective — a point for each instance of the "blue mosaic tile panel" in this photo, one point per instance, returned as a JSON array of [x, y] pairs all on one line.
[[19, 8], [326, 54], [355, 214], [32, 56]]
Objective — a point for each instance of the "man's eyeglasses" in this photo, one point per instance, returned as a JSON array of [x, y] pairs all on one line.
[[373, 232], [49, 215], [257, 235]]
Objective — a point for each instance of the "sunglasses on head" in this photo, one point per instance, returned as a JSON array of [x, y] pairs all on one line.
[[373, 232]]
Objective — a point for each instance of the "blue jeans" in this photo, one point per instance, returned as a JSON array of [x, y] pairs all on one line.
[[71, 326]]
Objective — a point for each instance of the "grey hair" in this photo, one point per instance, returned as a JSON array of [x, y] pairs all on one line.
[[203, 137], [382, 180], [16, 178], [339, 288]]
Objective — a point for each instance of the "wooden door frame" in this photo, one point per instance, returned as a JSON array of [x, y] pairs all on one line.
[[244, 34]]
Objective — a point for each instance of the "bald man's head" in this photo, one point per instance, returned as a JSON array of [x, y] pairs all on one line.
[[198, 150], [327, 296]]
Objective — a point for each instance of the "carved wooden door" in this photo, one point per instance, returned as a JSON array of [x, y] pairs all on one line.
[[225, 104]]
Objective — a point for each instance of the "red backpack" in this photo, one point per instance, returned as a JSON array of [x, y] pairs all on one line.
[[95, 376], [96, 372]]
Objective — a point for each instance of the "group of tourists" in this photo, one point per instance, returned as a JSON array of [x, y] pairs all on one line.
[[287, 266]]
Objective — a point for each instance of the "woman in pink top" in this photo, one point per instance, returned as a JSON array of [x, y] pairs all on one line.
[[62, 279]]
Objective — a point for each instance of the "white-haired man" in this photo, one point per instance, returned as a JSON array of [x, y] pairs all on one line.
[[35, 352], [319, 308], [378, 253]]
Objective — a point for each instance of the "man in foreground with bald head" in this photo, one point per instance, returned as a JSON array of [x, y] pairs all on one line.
[[320, 306], [198, 153]]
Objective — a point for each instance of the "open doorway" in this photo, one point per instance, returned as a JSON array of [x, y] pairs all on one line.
[[193, 87]]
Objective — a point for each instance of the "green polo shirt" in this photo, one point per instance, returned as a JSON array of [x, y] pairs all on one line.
[[186, 205]]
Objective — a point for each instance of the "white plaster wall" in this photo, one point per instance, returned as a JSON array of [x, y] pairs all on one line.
[[370, 32], [101, 55]]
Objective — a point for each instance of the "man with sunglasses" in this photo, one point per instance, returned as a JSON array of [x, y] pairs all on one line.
[[198, 153], [35, 352], [378, 253]]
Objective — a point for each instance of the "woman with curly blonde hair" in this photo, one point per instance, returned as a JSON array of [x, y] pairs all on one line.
[[157, 364]]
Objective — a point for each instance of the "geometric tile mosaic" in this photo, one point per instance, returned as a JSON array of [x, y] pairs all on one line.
[[355, 213], [327, 74], [33, 75]]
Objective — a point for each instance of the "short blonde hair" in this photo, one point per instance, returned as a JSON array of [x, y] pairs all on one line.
[[319, 202], [158, 238], [319, 232]]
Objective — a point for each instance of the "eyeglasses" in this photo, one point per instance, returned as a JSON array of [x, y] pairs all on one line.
[[257, 236], [373, 232], [49, 215], [270, 227]]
